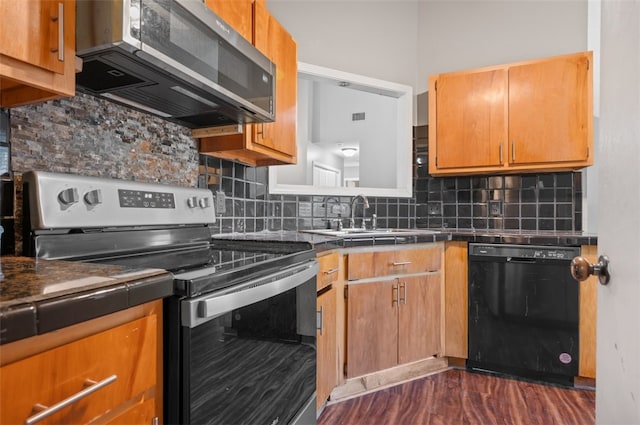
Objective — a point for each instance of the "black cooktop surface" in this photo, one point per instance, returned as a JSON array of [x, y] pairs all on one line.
[[226, 266]]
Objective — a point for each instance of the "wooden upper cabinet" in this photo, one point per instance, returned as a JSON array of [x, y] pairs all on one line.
[[472, 119], [277, 44], [37, 51], [270, 143], [550, 111], [524, 117], [237, 13]]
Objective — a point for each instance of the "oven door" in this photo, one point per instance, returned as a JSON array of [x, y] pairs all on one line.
[[248, 353]]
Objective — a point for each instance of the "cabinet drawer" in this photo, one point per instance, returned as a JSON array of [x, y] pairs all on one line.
[[364, 265], [127, 351], [329, 270]]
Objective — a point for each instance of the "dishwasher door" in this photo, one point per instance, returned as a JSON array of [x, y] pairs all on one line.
[[523, 311]]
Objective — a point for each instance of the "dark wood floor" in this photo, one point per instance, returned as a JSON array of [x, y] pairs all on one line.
[[461, 397]]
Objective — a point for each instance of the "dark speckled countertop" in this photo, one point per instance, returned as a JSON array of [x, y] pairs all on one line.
[[38, 296], [323, 242]]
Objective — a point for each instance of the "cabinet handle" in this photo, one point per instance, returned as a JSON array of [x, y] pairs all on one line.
[[394, 295], [400, 263], [500, 153], [331, 271], [403, 293], [60, 20], [319, 317], [45, 411], [513, 151]]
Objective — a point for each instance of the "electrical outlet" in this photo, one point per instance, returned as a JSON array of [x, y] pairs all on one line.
[[495, 208], [434, 208], [220, 202]]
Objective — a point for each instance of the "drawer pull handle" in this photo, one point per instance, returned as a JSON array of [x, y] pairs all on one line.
[[320, 319], [331, 271], [45, 411], [401, 263]]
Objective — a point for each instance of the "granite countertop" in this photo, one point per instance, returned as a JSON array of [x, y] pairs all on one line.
[[38, 296], [322, 242]]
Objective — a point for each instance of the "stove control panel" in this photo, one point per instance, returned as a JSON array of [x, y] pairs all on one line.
[[65, 201], [146, 199]]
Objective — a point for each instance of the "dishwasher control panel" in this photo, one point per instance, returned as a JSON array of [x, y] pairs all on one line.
[[524, 251]]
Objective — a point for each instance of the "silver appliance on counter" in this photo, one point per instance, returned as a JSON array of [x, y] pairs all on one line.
[[240, 329], [175, 59]]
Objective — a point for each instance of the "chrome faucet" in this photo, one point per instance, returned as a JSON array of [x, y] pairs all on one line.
[[365, 205]]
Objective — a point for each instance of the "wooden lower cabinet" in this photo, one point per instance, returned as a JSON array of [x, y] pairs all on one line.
[[327, 366], [372, 327], [456, 304], [328, 280], [123, 364], [394, 319]]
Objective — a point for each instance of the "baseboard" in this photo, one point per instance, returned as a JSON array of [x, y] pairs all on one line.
[[365, 384]]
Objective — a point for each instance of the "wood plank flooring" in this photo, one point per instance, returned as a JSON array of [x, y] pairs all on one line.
[[460, 397]]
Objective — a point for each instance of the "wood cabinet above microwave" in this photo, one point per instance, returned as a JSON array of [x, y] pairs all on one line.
[[37, 51], [531, 116], [260, 144]]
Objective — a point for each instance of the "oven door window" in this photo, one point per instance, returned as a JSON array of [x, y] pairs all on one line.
[[171, 30], [252, 365]]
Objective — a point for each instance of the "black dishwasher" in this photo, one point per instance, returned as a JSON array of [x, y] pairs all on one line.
[[523, 311]]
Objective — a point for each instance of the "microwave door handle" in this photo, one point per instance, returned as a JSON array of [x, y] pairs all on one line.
[[203, 309]]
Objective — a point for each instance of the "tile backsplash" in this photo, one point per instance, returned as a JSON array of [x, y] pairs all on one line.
[[546, 201], [89, 136]]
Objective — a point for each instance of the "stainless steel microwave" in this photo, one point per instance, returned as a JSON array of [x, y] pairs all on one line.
[[175, 59]]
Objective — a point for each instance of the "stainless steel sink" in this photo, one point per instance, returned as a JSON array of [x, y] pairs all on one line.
[[359, 232]]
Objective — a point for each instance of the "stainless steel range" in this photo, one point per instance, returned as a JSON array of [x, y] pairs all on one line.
[[240, 328]]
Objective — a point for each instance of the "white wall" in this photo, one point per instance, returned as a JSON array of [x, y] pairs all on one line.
[[405, 41], [458, 35], [374, 38]]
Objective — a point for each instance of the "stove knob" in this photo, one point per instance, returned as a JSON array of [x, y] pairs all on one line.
[[192, 202], [204, 203], [93, 197], [68, 196]]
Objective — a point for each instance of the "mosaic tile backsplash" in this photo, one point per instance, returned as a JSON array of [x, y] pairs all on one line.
[[548, 201], [88, 136]]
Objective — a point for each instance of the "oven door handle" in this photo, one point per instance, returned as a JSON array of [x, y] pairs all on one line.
[[199, 310]]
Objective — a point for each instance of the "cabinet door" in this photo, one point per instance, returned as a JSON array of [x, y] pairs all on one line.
[[237, 13], [327, 369], [128, 351], [277, 44], [372, 327], [419, 317], [471, 121], [456, 300], [29, 32], [550, 110]]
